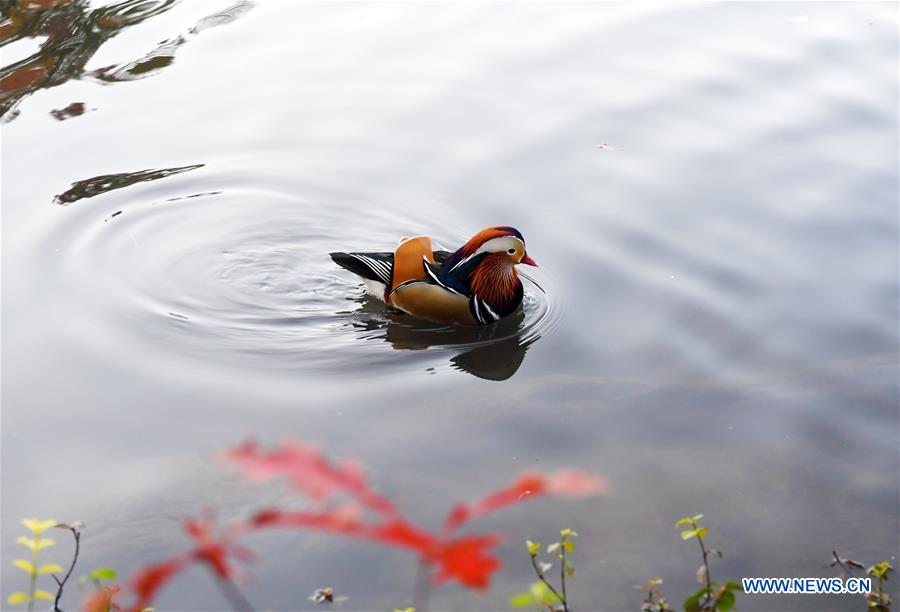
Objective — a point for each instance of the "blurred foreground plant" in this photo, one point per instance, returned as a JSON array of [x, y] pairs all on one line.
[[345, 503], [36, 543]]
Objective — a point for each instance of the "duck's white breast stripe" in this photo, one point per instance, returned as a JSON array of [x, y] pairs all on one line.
[[490, 312], [431, 273]]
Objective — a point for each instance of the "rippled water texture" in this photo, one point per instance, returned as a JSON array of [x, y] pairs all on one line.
[[711, 191]]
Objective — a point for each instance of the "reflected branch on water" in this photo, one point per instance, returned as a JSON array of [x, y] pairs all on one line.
[[97, 185], [74, 34]]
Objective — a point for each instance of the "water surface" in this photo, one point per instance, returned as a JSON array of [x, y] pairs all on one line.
[[711, 192]]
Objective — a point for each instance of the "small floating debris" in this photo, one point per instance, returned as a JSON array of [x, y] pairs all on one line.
[[179, 316], [194, 195], [72, 110], [608, 147], [326, 595]]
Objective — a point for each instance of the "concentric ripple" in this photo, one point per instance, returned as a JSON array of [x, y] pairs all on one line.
[[240, 276]]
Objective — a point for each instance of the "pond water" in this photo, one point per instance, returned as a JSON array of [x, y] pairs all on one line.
[[711, 191]]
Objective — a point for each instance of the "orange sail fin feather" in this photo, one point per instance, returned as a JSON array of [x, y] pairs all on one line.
[[408, 258], [475, 285]]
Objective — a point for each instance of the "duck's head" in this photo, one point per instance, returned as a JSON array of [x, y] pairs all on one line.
[[502, 242]]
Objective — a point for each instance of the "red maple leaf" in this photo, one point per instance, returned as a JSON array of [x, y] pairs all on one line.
[[566, 483], [214, 550], [149, 580], [309, 472], [467, 560]]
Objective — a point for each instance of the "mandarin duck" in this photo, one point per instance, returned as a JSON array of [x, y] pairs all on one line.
[[475, 285]]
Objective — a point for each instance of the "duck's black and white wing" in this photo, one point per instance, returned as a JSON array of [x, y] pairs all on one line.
[[376, 269]]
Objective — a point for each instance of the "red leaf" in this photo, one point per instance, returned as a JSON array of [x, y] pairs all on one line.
[[467, 560], [309, 472], [574, 483], [396, 532], [529, 486], [150, 580], [212, 550], [101, 600]]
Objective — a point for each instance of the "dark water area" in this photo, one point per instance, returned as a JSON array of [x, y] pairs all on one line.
[[711, 191]]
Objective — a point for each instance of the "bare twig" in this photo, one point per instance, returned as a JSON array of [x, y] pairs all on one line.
[[232, 593], [422, 587], [62, 583]]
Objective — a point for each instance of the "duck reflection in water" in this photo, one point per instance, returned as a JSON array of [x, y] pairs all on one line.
[[491, 352]]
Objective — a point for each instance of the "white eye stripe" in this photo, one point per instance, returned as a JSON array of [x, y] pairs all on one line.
[[503, 243], [494, 245]]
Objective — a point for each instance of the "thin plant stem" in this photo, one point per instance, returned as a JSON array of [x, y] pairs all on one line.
[[232, 593], [540, 575], [62, 583], [422, 587], [705, 562], [562, 569], [33, 583]]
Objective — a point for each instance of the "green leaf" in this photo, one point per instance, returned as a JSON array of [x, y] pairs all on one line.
[[697, 517], [880, 570], [38, 527], [701, 533], [568, 533], [103, 573], [34, 545], [725, 602], [534, 548], [49, 568], [17, 598], [43, 595], [553, 547], [734, 585], [570, 568], [542, 594], [569, 546], [687, 535], [522, 600], [692, 603], [686, 520], [24, 565]]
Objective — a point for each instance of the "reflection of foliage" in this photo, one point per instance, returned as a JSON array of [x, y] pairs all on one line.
[[94, 186], [74, 34]]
